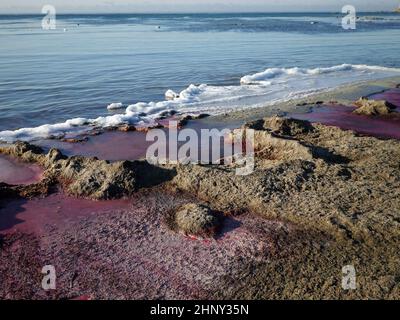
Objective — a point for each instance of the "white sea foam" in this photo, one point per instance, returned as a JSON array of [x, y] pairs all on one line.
[[115, 106], [270, 86], [270, 73], [171, 95]]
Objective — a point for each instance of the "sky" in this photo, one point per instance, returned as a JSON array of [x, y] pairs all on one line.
[[160, 6]]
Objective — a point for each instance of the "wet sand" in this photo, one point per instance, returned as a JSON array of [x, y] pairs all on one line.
[[131, 253]]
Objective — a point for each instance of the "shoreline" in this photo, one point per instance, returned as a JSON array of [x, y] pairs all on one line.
[[103, 145], [344, 94], [320, 198]]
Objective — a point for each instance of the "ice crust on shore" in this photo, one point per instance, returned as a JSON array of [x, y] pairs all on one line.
[[260, 89], [271, 73], [115, 106]]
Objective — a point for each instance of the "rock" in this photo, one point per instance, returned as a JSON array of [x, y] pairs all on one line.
[[272, 148], [302, 104], [184, 120], [126, 128], [373, 107], [146, 129], [23, 150], [93, 178], [201, 116], [85, 177], [23, 147], [281, 126], [340, 195], [287, 126], [167, 114], [195, 219], [255, 124], [229, 192], [54, 155], [74, 140], [98, 179], [40, 189]]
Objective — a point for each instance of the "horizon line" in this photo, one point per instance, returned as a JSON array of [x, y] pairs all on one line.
[[189, 12]]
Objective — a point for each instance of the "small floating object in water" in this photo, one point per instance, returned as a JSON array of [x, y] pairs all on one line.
[[65, 29], [115, 105], [313, 22], [171, 95]]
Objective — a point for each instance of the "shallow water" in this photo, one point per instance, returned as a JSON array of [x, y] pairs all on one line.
[[56, 210], [384, 126], [90, 61], [16, 172]]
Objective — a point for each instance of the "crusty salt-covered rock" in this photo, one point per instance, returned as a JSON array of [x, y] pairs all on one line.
[[272, 148], [287, 126], [326, 191], [23, 150], [281, 126], [86, 177], [373, 107], [195, 219], [99, 179]]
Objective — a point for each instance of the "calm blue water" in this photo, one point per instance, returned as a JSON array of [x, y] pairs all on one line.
[[90, 61]]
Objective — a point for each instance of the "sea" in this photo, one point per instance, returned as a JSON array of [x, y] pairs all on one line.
[[102, 70]]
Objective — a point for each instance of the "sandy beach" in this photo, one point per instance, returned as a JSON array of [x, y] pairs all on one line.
[[325, 193]]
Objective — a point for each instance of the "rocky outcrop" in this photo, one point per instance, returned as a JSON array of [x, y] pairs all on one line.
[[87, 177], [319, 198], [373, 107], [281, 126], [194, 219], [99, 179], [314, 175], [271, 149], [40, 189], [229, 192], [23, 150]]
